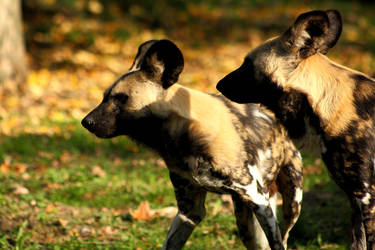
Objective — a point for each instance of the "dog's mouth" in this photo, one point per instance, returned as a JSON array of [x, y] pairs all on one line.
[[100, 129], [104, 136]]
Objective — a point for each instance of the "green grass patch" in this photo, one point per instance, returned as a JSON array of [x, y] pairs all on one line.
[[80, 191]]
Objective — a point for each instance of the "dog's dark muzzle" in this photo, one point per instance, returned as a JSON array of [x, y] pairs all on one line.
[[100, 123], [88, 123]]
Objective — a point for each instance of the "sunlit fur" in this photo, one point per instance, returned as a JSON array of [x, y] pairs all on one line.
[[322, 104], [208, 144]]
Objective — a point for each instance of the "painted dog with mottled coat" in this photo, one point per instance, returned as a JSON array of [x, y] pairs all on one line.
[[208, 143], [325, 107]]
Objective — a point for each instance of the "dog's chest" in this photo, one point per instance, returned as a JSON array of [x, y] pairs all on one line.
[[201, 172]]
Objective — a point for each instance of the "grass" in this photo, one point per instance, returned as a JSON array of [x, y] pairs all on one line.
[[70, 206], [62, 188]]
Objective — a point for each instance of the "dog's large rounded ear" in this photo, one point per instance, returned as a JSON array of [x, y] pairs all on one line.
[[142, 49], [163, 62], [313, 32]]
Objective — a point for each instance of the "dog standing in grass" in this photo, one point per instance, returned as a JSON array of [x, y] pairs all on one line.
[[207, 142], [325, 107]]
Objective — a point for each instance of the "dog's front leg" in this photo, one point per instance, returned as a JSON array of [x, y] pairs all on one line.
[[191, 210]]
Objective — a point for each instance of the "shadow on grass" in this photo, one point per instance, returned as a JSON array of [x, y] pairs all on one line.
[[325, 220]]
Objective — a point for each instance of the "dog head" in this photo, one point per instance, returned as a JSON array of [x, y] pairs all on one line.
[[313, 32], [156, 67]]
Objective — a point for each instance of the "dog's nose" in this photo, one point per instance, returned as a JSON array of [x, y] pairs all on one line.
[[220, 86], [87, 122]]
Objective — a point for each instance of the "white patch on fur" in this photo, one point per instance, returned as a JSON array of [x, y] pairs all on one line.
[[264, 156], [301, 40], [298, 196], [134, 68], [252, 189], [265, 162], [178, 221], [366, 199], [185, 219], [254, 170], [258, 114], [299, 155]]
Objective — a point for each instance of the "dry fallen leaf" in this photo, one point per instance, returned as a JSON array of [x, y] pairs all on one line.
[[108, 230], [53, 185], [26, 176], [143, 212], [85, 231], [132, 148], [5, 168], [20, 168], [63, 222], [20, 190], [50, 208], [65, 157], [98, 171]]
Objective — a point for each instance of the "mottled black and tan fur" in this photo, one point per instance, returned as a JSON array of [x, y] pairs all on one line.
[[326, 107], [208, 143]]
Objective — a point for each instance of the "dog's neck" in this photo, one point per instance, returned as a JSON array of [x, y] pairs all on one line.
[[322, 82], [195, 106], [202, 116]]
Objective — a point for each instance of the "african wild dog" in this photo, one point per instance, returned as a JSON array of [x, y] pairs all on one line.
[[207, 142], [323, 105]]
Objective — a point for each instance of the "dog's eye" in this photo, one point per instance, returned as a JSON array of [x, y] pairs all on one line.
[[122, 98]]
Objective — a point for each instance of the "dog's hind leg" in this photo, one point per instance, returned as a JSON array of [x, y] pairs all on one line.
[[191, 210], [289, 182], [358, 229], [369, 223], [363, 219], [251, 232], [259, 202]]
